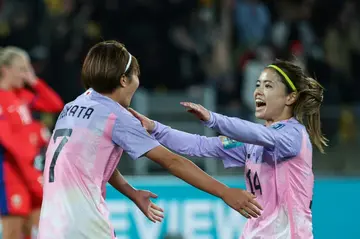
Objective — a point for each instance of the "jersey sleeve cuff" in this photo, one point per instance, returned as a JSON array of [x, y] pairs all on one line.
[[210, 123], [142, 153]]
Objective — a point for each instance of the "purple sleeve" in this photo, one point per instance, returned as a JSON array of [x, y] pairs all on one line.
[[284, 139], [231, 152], [132, 137]]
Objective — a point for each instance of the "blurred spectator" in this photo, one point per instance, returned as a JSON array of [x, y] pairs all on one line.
[[342, 48], [252, 21], [293, 26], [342, 54]]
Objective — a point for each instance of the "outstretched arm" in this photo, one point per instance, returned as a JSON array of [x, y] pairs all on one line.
[[231, 152], [285, 137]]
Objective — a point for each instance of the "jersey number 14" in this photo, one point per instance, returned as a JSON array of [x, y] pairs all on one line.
[[65, 133], [254, 182]]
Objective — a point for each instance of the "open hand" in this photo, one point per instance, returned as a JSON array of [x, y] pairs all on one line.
[[147, 123], [243, 202], [198, 110], [153, 212]]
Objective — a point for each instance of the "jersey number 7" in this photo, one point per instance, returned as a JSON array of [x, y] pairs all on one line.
[[65, 133]]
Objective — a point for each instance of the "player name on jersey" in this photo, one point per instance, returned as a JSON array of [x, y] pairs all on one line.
[[77, 111]]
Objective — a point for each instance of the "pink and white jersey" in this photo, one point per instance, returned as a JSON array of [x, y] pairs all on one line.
[[278, 169], [87, 143]]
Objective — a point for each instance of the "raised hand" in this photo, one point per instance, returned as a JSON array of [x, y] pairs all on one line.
[[243, 202], [147, 123], [198, 110], [153, 212]]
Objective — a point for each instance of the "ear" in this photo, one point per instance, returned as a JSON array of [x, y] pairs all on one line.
[[124, 81], [291, 98]]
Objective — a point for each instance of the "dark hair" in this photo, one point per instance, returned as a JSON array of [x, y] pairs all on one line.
[[307, 106], [104, 65]]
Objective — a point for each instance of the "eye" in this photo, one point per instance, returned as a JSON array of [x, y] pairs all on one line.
[[268, 86], [257, 84]]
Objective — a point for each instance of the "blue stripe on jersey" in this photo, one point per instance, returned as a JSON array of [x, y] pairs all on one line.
[[3, 204]]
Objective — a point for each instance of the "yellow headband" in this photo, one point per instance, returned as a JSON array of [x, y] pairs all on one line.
[[291, 84]]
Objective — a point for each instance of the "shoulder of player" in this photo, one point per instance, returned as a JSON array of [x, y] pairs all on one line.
[[288, 126]]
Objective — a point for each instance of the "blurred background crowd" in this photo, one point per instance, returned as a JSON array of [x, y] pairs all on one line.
[[186, 46]]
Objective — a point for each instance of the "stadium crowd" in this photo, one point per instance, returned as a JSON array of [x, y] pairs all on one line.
[[225, 44]]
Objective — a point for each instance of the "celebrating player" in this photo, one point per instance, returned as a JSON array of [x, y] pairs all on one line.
[[277, 158], [21, 138], [88, 140]]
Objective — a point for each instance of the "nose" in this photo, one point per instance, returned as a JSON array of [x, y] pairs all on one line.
[[258, 91]]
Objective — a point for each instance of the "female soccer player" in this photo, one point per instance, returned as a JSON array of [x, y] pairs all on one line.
[[21, 138], [277, 157], [88, 140]]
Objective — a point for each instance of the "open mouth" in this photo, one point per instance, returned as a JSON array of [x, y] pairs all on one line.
[[260, 103]]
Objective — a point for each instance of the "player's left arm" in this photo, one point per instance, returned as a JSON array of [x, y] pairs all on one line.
[[285, 138], [231, 152], [43, 98], [139, 197]]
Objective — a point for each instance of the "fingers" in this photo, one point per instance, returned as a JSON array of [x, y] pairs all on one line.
[[251, 210], [134, 113], [244, 213], [153, 195], [156, 207], [254, 202], [198, 110], [190, 106], [155, 213]]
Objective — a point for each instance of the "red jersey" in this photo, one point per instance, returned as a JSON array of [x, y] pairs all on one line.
[[21, 138]]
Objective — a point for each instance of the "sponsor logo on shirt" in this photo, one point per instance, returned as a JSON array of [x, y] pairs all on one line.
[[229, 143], [278, 126], [16, 201]]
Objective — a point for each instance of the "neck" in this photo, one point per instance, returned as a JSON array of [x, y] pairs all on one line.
[[116, 96], [271, 121]]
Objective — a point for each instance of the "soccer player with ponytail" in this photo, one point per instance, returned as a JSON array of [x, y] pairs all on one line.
[[277, 157]]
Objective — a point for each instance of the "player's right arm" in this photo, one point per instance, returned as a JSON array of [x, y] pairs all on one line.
[[133, 138]]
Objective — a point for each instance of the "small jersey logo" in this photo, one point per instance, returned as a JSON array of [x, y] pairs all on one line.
[[278, 126], [24, 114], [16, 201], [229, 143], [88, 92]]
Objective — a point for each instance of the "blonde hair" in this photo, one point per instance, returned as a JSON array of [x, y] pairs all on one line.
[[9, 53]]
